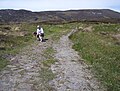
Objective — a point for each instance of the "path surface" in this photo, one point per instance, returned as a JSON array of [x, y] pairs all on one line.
[[23, 72], [72, 73]]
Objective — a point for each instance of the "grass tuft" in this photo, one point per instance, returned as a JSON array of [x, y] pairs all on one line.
[[48, 62]]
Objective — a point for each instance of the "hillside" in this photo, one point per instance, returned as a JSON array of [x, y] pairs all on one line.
[[53, 64], [93, 15]]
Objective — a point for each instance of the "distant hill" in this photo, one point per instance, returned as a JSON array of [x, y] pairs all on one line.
[[92, 15]]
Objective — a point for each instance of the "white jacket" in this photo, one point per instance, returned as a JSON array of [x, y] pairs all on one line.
[[39, 31]]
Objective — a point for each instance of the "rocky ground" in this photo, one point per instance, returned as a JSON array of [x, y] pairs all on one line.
[[71, 73], [23, 72]]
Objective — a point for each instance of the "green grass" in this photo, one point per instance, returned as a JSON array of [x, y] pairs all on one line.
[[48, 54], [48, 62], [46, 75], [3, 62], [110, 28], [101, 52], [55, 31], [11, 41]]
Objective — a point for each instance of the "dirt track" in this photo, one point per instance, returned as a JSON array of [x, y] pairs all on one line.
[[23, 74], [72, 73]]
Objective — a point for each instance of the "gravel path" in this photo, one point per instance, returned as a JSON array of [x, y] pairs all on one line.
[[23, 72], [72, 73]]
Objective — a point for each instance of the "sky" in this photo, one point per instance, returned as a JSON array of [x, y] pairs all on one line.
[[51, 5]]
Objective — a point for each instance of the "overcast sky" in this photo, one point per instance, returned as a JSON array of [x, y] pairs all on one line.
[[46, 5]]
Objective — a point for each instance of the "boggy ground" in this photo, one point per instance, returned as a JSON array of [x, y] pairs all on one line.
[[25, 70]]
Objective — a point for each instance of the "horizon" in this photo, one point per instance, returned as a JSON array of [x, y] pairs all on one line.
[[56, 5], [61, 10]]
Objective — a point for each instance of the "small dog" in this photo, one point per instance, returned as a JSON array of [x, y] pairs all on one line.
[[35, 33]]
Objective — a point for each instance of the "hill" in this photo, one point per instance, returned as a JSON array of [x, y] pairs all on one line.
[[93, 15]]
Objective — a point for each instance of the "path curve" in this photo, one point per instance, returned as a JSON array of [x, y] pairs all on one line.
[[72, 73]]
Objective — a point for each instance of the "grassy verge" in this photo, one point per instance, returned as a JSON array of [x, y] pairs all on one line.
[[100, 50], [12, 39]]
